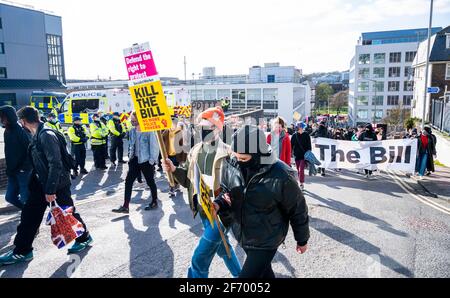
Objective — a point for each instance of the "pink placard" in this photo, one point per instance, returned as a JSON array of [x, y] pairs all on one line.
[[141, 66]]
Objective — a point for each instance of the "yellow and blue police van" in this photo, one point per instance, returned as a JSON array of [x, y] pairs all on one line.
[[85, 104], [47, 102]]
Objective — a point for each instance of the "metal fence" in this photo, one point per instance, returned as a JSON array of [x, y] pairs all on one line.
[[440, 114]]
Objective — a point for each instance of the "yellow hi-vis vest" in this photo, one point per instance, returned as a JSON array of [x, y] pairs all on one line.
[[113, 130], [99, 133], [76, 140], [56, 126]]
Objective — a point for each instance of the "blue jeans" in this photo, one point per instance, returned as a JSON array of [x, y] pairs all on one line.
[[422, 160], [210, 244], [17, 191]]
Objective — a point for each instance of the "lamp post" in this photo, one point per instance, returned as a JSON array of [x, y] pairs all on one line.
[[427, 68], [375, 105]]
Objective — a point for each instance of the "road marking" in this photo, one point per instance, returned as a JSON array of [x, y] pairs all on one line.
[[418, 197]]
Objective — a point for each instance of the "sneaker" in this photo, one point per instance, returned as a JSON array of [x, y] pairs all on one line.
[[10, 258], [122, 210], [323, 174], [152, 206], [84, 172], [122, 161], [302, 187], [79, 247], [172, 192], [140, 181]]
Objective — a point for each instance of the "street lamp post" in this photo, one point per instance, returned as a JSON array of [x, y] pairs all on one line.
[[427, 68], [375, 105]]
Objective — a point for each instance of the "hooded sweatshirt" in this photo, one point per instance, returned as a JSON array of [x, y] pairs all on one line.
[[17, 140]]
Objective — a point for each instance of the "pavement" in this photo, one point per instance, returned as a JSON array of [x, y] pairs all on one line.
[[438, 183], [359, 228]]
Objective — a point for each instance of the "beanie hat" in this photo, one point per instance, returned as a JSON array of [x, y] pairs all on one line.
[[213, 115], [301, 125]]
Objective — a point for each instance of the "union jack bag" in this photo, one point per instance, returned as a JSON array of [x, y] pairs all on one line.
[[65, 228]]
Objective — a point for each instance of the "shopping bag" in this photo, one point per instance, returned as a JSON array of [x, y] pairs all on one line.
[[65, 228]]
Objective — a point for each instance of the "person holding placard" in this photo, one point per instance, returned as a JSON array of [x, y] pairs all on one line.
[[202, 171]]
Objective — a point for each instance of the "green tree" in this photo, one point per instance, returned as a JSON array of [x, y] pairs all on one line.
[[339, 101], [323, 93]]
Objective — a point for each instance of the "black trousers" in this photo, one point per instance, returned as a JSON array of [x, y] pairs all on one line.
[[258, 264], [79, 151], [105, 148], [133, 172], [116, 146], [33, 213], [99, 156]]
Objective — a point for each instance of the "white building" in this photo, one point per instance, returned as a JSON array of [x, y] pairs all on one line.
[[381, 77], [276, 89], [277, 99]]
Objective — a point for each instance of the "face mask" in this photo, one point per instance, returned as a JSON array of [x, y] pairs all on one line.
[[251, 164], [207, 135]]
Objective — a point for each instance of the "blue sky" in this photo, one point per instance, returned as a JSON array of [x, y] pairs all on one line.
[[231, 35]]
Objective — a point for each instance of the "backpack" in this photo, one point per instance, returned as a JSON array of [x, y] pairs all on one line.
[[67, 159]]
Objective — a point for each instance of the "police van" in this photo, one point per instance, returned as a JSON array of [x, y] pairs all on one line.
[[47, 102], [85, 104]]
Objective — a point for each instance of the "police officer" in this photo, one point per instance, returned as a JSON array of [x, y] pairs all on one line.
[[117, 131], [99, 133], [53, 123], [79, 135], [104, 120]]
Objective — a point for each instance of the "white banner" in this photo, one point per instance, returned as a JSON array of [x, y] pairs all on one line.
[[397, 155]]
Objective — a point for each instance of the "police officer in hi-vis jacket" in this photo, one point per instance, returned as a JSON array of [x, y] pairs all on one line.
[[79, 136], [99, 134]]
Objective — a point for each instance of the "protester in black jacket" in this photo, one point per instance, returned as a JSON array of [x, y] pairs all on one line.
[[321, 132], [430, 162], [425, 152], [50, 181], [264, 197], [18, 166], [368, 135], [301, 143]]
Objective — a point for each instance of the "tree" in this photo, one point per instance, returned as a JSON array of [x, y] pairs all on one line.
[[397, 117], [323, 92], [339, 101]]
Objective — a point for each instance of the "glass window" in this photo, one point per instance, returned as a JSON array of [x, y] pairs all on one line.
[[254, 98], [65, 106], [410, 56], [394, 72], [55, 59], [395, 57], [85, 106], [378, 86], [364, 73], [393, 100], [408, 86], [196, 94], [393, 86], [378, 100], [447, 72], [364, 59], [379, 58], [378, 72], [238, 98], [379, 114], [407, 99], [271, 79], [3, 73], [224, 94], [362, 114], [362, 101], [270, 98], [363, 87], [409, 72], [210, 94]]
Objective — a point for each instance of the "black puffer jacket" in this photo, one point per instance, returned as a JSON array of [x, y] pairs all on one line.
[[263, 209], [17, 141], [321, 132], [45, 152]]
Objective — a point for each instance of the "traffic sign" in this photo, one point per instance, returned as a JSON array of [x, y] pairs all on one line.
[[433, 90]]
